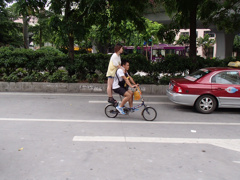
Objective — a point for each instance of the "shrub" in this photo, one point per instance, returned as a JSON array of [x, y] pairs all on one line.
[[57, 76], [13, 77], [138, 62], [102, 78], [176, 64], [61, 76], [36, 77], [18, 64], [92, 78], [50, 59]]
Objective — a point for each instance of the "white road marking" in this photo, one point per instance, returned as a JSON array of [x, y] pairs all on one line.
[[231, 144], [135, 102], [122, 121]]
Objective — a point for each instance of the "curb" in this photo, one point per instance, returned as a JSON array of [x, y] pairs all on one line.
[[72, 87]]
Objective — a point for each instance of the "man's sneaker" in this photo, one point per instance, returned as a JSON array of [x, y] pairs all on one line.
[[111, 100], [120, 109]]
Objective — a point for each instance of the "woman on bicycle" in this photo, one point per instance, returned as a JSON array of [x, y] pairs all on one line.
[[114, 64]]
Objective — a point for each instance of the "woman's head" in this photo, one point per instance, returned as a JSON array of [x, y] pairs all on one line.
[[118, 48]]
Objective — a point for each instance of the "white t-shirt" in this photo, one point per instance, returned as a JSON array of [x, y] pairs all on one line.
[[120, 74], [115, 60]]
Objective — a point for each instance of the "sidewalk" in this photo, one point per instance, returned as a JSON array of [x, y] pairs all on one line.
[[72, 87]]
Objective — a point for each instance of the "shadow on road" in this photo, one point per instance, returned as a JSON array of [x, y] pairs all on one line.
[[190, 109]]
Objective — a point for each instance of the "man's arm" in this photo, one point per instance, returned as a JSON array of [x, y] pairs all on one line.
[[131, 80], [128, 82]]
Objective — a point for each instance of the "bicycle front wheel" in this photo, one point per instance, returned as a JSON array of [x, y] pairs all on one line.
[[149, 113], [111, 111]]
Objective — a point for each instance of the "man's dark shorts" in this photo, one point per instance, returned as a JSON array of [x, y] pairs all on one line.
[[120, 91]]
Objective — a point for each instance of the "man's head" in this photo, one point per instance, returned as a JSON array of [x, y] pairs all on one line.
[[125, 64]]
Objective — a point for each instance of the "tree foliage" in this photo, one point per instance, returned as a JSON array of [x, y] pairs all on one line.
[[183, 40], [236, 45], [10, 33], [224, 14], [185, 14], [41, 31], [120, 21], [205, 42], [25, 9]]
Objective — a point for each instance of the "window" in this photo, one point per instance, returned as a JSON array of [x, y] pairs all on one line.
[[210, 33], [227, 77], [197, 75], [185, 33]]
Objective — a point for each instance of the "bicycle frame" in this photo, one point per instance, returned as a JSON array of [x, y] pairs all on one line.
[[138, 106]]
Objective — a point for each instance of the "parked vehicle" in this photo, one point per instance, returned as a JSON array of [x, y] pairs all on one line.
[[207, 89]]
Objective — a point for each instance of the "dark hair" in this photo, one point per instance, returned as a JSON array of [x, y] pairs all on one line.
[[117, 47], [124, 62]]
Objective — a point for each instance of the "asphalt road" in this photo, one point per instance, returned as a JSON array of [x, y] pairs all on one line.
[[68, 137]]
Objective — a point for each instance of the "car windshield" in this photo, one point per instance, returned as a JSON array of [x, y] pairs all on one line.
[[197, 75]]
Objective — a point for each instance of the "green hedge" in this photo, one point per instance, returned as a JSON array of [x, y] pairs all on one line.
[[51, 65]]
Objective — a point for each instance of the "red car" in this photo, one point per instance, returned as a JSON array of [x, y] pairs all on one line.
[[207, 89]]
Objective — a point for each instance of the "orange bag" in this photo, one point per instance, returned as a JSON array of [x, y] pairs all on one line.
[[137, 94]]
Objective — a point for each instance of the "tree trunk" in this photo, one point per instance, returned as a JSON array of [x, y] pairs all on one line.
[[71, 46], [25, 33], [70, 33], [193, 35], [40, 37]]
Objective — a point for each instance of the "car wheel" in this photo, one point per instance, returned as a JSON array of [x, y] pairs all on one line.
[[206, 104]]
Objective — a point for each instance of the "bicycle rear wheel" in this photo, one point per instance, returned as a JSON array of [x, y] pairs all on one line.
[[149, 113], [111, 111]]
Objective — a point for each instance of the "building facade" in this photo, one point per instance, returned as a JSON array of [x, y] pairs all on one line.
[[201, 33]]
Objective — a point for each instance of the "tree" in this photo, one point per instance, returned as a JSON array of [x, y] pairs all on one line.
[[107, 16], [206, 43], [183, 40], [41, 31], [119, 21], [184, 13], [236, 45], [25, 9], [223, 14], [10, 31], [71, 18], [166, 34]]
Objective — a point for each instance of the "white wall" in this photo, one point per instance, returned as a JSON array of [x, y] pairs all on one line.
[[200, 33]]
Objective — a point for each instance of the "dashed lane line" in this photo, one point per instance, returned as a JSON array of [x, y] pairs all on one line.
[[231, 144]]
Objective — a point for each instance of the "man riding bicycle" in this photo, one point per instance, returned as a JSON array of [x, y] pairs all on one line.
[[122, 81]]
